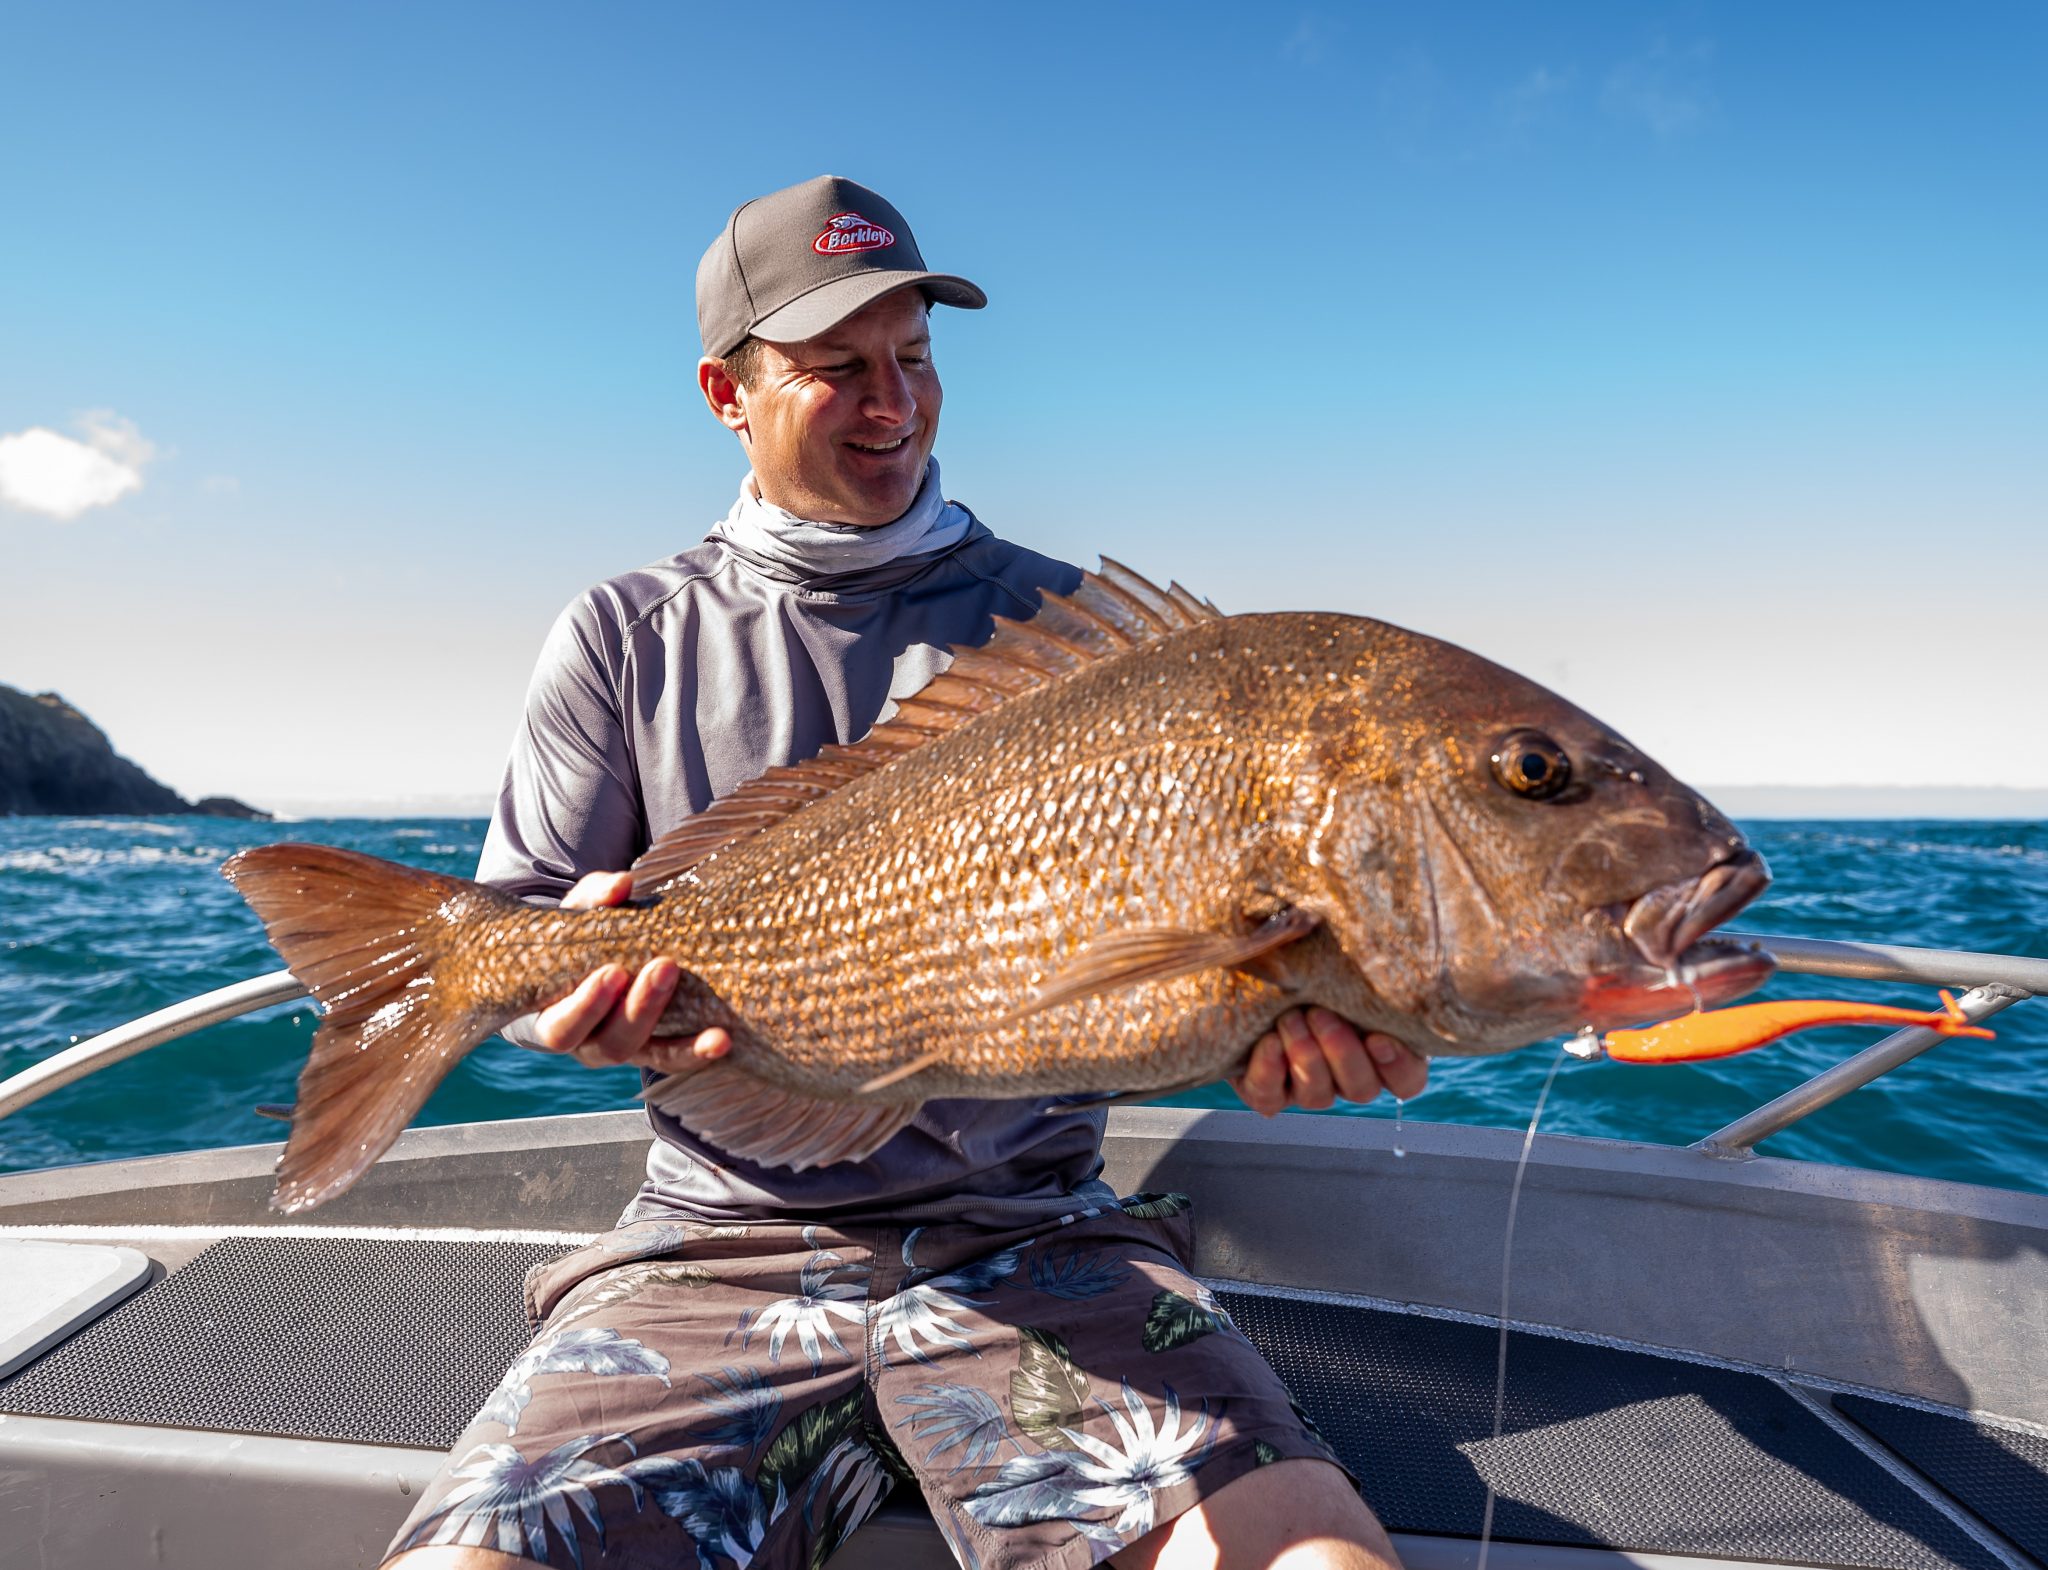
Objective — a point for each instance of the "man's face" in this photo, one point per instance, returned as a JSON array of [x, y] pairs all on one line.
[[839, 426]]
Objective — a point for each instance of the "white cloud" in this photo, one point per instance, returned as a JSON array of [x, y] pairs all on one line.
[[61, 477], [1663, 87]]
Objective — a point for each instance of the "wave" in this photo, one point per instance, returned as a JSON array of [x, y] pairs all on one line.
[[105, 920], [70, 858]]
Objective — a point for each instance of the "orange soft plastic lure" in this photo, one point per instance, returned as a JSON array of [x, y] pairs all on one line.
[[1721, 1033]]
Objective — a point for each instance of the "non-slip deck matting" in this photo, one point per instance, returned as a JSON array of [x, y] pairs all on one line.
[[398, 1342], [1599, 1447], [1999, 1476], [377, 1340]]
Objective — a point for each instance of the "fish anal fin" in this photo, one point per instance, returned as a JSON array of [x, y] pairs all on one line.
[[1108, 613], [756, 1121], [1144, 954]]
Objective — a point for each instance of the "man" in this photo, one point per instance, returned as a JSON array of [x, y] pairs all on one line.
[[744, 1366]]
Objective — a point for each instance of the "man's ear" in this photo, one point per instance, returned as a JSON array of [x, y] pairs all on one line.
[[723, 394]]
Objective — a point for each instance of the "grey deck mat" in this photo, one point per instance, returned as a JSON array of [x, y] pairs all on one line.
[[251, 1336], [1600, 1447], [1999, 1476]]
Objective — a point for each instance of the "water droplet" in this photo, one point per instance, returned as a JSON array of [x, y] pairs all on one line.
[[1400, 1110]]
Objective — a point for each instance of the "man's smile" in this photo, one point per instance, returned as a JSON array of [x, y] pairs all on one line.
[[839, 428]]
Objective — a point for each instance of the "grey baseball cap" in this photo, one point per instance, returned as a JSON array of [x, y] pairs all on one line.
[[798, 261]]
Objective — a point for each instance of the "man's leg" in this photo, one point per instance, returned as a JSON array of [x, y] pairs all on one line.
[[695, 1392], [1068, 1393], [1292, 1515]]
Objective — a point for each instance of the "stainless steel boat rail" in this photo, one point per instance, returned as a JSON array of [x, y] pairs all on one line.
[[1995, 982], [152, 1030], [1893, 962]]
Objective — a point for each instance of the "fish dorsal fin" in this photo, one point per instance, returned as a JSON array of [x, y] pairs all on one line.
[[1112, 611]]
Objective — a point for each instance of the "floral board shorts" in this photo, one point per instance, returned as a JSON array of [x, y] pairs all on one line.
[[725, 1396]]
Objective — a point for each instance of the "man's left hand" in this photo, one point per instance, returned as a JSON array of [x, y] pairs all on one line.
[[1311, 1057]]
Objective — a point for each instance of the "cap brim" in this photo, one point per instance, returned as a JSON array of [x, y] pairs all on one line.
[[826, 306]]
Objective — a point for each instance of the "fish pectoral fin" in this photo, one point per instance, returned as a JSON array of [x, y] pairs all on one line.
[[1128, 959], [914, 1066], [757, 1121]]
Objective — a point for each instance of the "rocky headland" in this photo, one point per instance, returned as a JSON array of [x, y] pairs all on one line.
[[56, 762]]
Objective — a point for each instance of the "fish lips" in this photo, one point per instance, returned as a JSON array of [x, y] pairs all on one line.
[[1682, 968], [1667, 921]]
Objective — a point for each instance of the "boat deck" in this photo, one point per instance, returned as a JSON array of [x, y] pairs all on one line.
[[1605, 1449]]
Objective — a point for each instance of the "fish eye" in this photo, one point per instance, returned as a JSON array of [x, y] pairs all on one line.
[[1530, 764]]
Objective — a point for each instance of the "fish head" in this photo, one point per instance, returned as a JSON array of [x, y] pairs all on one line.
[[1503, 867]]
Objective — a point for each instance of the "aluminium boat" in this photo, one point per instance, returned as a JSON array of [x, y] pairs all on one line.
[[1710, 1355]]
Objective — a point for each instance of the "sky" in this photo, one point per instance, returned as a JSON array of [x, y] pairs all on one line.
[[1691, 359]]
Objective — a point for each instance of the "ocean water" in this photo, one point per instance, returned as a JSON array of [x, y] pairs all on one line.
[[102, 920]]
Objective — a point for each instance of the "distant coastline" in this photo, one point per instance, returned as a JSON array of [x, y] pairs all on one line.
[[54, 762], [1880, 801], [1740, 801], [471, 805]]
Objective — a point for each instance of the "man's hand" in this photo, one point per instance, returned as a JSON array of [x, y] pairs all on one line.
[[610, 1017], [1311, 1057]]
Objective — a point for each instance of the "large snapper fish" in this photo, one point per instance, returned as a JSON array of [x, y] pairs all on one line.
[[1101, 854]]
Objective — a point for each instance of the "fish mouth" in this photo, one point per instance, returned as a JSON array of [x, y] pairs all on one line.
[[1667, 921], [1682, 968]]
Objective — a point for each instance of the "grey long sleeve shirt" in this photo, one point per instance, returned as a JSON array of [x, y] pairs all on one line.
[[661, 690]]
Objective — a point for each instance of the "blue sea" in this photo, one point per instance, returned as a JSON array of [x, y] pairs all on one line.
[[107, 919]]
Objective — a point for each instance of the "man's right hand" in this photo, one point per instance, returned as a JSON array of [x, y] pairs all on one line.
[[610, 1017]]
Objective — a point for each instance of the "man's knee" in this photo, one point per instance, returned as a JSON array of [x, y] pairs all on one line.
[[1293, 1515], [458, 1557]]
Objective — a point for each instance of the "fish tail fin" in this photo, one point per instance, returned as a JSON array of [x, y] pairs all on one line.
[[365, 936]]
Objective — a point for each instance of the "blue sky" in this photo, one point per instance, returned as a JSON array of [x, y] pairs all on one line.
[[1689, 358]]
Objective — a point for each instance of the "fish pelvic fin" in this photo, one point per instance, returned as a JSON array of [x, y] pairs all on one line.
[[364, 935], [1128, 959], [756, 1121], [1111, 611]]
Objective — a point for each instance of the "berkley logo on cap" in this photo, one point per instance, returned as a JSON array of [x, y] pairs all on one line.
[[851, 232]]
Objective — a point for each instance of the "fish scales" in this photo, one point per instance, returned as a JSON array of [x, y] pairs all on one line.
[[1007, 865], [1102, 855]]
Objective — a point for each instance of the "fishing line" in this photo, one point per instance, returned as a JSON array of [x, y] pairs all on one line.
[[1507, 1250]]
